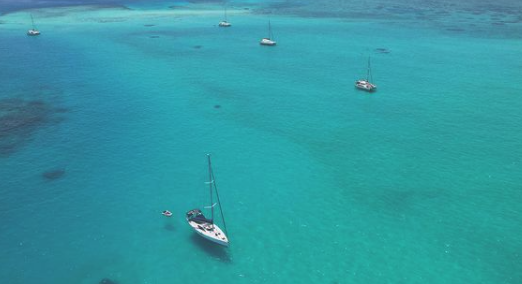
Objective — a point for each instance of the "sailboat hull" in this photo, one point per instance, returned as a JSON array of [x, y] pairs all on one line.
[[210, 232], [224, 24], [267, 42], [365, 85], [33, 32]]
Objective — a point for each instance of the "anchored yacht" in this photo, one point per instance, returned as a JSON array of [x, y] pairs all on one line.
[[366, 85], [268, 41], [207, 228]]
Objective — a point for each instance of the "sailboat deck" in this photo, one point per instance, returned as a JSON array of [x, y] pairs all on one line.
[[210, 231]]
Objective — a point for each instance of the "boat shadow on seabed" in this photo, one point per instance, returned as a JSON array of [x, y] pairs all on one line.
[[212, 249]]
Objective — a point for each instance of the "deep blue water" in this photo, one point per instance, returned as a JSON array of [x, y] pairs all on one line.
[[102, 129]]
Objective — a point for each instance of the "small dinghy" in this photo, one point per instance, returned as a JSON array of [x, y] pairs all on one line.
[[166, 213]]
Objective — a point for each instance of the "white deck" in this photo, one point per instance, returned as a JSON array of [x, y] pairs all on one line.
[[365, 85], [210, 232], [33, 32], [267, 41]]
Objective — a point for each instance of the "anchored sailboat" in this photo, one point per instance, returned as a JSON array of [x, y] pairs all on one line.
[[366, 85], [207, 227], [225, 23], [33, 31], [269, 41]]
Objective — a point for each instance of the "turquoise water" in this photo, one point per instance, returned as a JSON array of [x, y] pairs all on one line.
[[419, 182]]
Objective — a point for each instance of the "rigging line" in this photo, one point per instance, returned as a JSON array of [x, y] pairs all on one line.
[[219, 202], [211, 181]]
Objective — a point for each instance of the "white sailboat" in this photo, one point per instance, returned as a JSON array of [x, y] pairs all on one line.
[[33, 31], [225, 23], [204, 227], [268, 41], [366, 85]]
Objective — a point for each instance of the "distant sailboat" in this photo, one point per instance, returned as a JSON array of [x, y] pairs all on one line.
[[366, 85], [207, 227], [33, 31], [225, 23], [269, 41]]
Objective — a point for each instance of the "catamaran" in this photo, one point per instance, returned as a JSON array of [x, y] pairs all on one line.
[[33, 31], [204, 227], [366, 84], [269, 41], [225, 23]]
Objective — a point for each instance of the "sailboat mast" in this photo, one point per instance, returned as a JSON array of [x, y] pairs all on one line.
[[210, 183], [226, 19], [32, 21], [269, 30], [219, 202], [368, 71]]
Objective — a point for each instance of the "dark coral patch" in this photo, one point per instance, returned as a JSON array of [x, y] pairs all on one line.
[[53, 174], [61, 110], [149, 25], [20, 119], [455, 29], [107, 281], [197, 46], [154, 36], [217, 106], [169, 227], [382, 50]]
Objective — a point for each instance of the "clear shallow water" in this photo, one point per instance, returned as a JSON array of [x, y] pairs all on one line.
[[419, 182]]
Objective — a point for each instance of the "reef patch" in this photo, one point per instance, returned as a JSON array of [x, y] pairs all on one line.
[[21, 118], [455, 29], [382, 50], [107, 281], [53, 174], [169, 227]]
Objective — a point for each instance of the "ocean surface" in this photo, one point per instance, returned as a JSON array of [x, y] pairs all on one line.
[[105, 120]]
